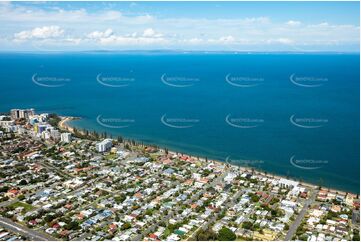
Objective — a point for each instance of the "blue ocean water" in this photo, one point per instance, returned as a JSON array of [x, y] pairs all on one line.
[[290, 114]]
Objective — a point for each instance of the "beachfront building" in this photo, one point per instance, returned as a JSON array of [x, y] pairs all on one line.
[[21, 113], [65, 137], [104, 145], [42, 118], [285, 183]]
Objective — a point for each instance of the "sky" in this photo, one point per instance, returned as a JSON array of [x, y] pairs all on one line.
[[203, 26]]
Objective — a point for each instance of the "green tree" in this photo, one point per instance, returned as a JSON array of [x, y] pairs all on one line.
[[73, 225], [23, 182], [247, 225], [4, 189], [225, 234], [356, 235], [149, 212], [206, 235], [126, 226]]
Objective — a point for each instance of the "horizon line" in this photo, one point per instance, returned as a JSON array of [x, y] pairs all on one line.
[[184, 51]]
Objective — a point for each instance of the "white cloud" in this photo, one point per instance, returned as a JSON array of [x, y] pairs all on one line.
[[99, 34], [45, 32], [285, 41], [124, 40], [112, 15], [75, 41], [151, 33], [293, 23], [108, 37], [33, 14], [262, 20], [229, 39], [193, 41]]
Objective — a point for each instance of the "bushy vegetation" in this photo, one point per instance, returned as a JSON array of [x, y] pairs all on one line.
[[225, 234]]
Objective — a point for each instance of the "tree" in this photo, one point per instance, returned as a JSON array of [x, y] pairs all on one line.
[[356, 235], [120, 198], [247, 225], [254, 198], [149, 212], [4, 189], [225, 234], [73, 225], [287, 227], [126, 226], [120, 139], [206, 235], [48, 218], [23, 182]]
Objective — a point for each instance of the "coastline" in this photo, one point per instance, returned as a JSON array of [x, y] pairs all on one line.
[[64, 125]]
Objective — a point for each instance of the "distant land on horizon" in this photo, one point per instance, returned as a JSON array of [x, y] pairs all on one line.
[[183, 52]]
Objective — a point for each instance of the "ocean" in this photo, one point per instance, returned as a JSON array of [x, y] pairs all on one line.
[[291, 114]]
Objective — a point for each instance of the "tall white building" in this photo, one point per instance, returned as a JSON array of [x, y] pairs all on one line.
[[21, 113], [104, 145], [65, 137]]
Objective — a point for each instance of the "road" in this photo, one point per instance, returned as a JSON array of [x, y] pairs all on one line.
[[300, 216], [19, 229], [82, 237], [61, 172]]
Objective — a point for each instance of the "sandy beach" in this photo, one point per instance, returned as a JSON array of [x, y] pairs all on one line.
[[63, 124]]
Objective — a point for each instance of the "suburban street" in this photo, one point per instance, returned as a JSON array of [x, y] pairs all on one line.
[[29, 233], [301, 215]]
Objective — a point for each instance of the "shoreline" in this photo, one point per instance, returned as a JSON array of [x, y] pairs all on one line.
[[63, 125]]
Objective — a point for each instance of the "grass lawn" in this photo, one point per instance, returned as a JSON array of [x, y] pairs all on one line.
[[27, 207], [111, 156], [166, 233], [154, 156]]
